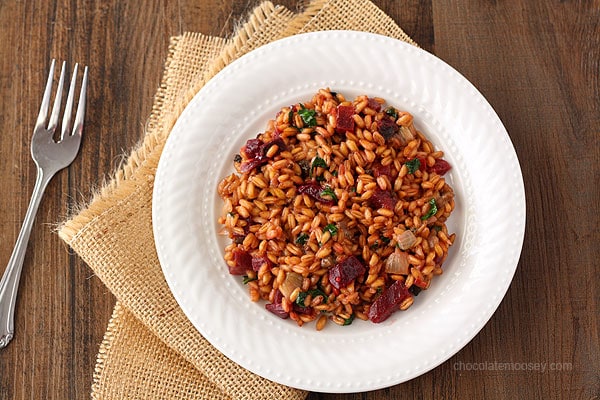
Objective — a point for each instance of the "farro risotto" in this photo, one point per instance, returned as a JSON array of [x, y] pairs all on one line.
[[337, 211]]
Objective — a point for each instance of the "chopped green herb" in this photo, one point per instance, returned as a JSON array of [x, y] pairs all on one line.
[[300, 298], [330, 193], [335, 173], [247, 279], [432, 210], [392, 112], [320, 178], [331, 228], [385, 240], [308, 116], [318, 162], [413, 165], [314, 293], [302, 239], [237, 158], [349, 320], [291, 117]]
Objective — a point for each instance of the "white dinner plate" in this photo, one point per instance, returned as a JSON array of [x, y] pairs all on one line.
[[489, 219]]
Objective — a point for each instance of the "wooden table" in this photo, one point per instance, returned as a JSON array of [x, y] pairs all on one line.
[[537, 62]]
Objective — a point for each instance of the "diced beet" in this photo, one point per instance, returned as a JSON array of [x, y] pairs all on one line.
[[258, 262], [383, 199], [249, 165], [374, 104], [243, 262], [422, 163], [278, 298], [314, 190], [387, 128], [440, 167], [276, 307], [379, 170], [388, 302], [253, 148], [256, 152], [344, 272], [303, 310], [345, 122]]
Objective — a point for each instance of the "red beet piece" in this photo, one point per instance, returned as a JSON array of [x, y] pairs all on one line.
[[276, 307], [344, 272], [253, 148], [440, 167], [383, 199], [258, 261], [374, 104], [303, 310], [345, 122], [388, 302], [422, 163], [379, 170], [314, 190], [249, 165], [387, 128], [243, 262]]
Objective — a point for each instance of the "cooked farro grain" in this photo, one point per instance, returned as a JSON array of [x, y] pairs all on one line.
[[337, 210]]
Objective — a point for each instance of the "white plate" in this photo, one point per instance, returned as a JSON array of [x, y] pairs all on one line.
[[234, 106]]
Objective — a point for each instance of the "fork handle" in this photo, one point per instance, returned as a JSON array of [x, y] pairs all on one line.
[[10, 280]]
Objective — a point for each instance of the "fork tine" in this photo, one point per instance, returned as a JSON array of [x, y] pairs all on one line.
[[57, 98], [41, 119], [66, 122], [78, 127]]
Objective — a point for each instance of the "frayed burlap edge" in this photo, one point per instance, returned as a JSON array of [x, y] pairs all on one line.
[[118, 374], [141, 163], [122, 183], [144, 158]]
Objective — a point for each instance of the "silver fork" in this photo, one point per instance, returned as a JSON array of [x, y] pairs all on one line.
[[50, 156]]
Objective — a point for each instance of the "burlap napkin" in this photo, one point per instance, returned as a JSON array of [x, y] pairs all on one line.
[[150, 349]]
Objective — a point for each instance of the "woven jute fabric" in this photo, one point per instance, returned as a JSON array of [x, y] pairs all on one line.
[[150, 349]]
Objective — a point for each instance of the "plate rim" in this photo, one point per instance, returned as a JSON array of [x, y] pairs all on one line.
[[356, 34]]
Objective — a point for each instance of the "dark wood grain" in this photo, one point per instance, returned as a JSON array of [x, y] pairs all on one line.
[[537, 62]]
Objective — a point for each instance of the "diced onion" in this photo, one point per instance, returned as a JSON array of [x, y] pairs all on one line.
[[397, 263], [406, 240], [291, 282], [406, 134]]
